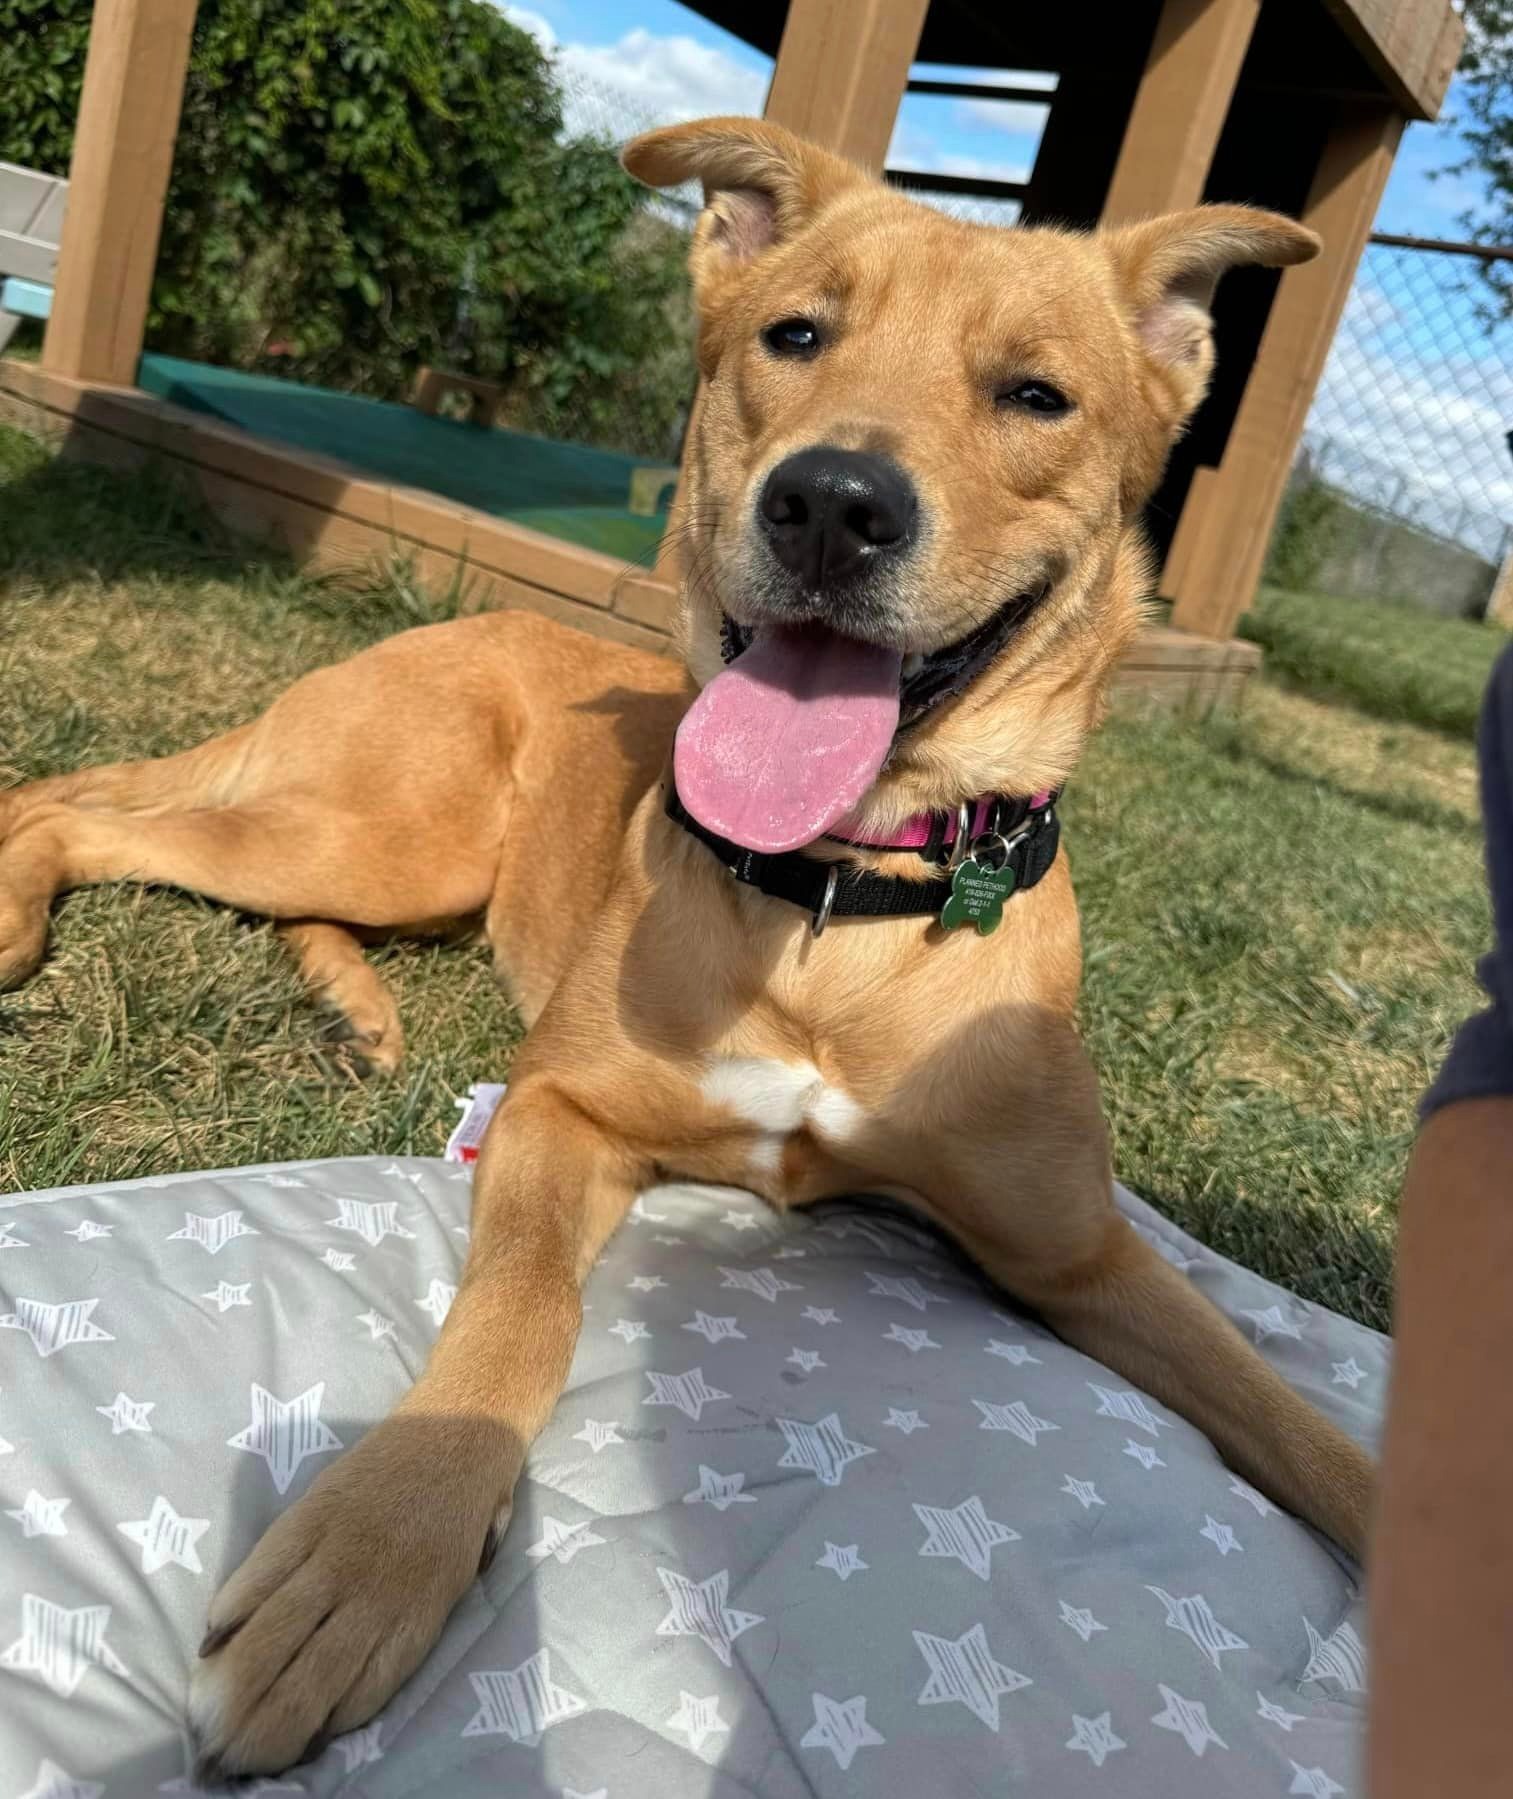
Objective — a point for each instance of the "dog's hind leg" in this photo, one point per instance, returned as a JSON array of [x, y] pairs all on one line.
[[343, 981], [203, 776], [292, 857]]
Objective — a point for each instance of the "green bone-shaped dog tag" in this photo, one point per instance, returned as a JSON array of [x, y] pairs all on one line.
[[977, 896]]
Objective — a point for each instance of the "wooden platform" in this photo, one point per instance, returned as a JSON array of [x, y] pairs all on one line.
[[333, 517]]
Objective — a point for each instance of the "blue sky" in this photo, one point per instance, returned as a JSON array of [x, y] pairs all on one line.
[[670, 61]]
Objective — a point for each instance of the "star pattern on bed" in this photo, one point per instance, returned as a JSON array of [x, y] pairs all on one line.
[[828, 1535]]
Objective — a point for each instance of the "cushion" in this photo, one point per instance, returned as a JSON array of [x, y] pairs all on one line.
[[817, 1514]]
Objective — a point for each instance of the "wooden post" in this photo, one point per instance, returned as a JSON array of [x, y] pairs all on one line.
[[1181, 106], [123, 153], [1220, 545], [841, 71], [840, 74]]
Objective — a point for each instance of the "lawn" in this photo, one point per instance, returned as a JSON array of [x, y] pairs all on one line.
[[1281, 913]]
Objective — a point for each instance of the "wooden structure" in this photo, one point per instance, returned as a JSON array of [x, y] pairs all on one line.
[[1159, 104]]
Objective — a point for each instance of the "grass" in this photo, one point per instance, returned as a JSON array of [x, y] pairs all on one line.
[[1281, 913], [1395, 662]]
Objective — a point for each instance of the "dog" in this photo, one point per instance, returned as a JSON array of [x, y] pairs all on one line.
[[913, 559]]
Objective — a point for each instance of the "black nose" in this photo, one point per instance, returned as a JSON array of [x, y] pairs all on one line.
[[830, 515]]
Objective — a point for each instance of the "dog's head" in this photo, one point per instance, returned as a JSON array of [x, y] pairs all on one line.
[[914, 479]]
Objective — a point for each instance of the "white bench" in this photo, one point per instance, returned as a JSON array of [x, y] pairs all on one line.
[[31, 228]]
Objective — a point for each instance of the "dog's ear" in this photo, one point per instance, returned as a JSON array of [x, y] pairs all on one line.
[[761, 184], [1168, 268]]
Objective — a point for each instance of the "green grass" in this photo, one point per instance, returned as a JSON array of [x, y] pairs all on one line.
[[1281, 913], [1396, 662]]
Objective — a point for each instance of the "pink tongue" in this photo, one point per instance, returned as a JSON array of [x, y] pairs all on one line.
[[788, 738]]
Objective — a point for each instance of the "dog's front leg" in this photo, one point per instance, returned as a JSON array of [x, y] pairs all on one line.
[[345, 1594]]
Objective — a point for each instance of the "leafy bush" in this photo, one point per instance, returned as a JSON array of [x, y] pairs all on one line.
[[1305, 535], [362, 186]]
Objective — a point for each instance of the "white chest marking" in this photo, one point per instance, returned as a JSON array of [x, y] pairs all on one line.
[[778, 1098]]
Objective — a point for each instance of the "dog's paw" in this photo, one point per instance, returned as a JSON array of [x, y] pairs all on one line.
[[23, 939], [335, 1608]]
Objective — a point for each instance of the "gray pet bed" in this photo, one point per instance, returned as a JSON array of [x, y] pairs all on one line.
[[814, 1516]]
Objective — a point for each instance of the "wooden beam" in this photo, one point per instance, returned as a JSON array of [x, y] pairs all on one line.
[[979, 187], [841, 71], [123, 153], [1180, 108], [1412, 47], [1220, 545]]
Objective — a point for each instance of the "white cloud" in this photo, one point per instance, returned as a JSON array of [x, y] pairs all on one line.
[[1021, 117], [665, 78], [539, 28]]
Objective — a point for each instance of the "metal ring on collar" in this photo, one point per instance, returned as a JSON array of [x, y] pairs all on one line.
[[822, 912]]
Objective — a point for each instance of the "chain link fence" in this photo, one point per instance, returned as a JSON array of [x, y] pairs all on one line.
[[1403, 487]]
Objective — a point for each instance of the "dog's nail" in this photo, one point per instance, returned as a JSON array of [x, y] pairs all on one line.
[[216, 1638]]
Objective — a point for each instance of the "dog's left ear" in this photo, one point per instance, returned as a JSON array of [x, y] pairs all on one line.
[[1168, 268], [761, 185]]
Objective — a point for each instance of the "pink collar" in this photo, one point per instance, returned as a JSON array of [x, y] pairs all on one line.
[[915, 832]]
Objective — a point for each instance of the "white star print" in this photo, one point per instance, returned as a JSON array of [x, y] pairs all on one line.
[[164, 1537], [963, 1672], [840, 1725], [360, 1747], [645, 1283], [631, 1329], [1312, 1781], [689, 1392], [719, 1490], [913, 1341], [741, 1221], [790, 1252], [438, 1301], [284, 1432], [1128, 1408], [963, 1533], [807, 1359], [1340, 1657], [61, 1645], [699, 1608], [213, 1234], [1015, 1354], [340, 1261], [842, 1559], [1194, 1619], [823, 1448], [372, 1220], [699, 1718], [520, 1703], [55, 1327], [53, 1783], [379, 1327], [909, 1290], [668, 1237], [640, 1214], [907, 1422], [1143, 1453], [563, 1541], [714, 1330], [1273, 1322], [1276, 1714], [1242, 1489], [9, 1240], [39, 1517], [226, 1296], [127, 1414], [1083, 1491], [821, 1315], [89, 1230], [1094, 1737], [1348, 1374], [597, 1434], [1189, 1719], [1016, 1418], [1081, 1620], [1220, 1535], [760, 1281]]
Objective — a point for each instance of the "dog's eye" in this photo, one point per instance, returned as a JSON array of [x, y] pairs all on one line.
[[1035, 396], [792, 337]]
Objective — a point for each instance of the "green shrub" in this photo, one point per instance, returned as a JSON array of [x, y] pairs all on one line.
[[361, 186], [1305, 535]]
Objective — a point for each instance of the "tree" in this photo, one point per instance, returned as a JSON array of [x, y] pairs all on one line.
[[1486, 124], [361, 186]]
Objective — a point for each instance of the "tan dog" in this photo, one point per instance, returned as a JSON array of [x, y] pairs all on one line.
[[921, 458]]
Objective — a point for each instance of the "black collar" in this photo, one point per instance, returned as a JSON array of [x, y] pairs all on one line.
[[833, 889]]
